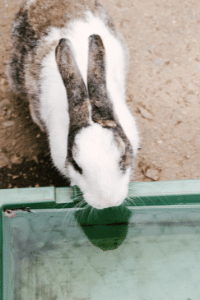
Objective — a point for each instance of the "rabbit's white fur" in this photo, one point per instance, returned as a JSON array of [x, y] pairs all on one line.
[[102, 183]]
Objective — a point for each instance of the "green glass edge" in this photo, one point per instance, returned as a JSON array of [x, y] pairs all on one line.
[[177, 192], [172, 192]]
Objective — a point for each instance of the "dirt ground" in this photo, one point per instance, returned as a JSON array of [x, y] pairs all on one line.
[[163, 90]]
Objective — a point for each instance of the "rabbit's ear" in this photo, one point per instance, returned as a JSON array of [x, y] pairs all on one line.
[[102, 110], [78, 102], [77, 95]]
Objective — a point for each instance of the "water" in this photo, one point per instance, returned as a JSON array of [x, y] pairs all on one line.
[[156, 255]]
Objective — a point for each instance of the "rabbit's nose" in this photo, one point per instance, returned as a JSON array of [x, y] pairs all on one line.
[[109, 201]]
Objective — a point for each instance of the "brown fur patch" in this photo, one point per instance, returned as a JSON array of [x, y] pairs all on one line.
[[45, 13], [33, 65], [75, 86], [32, 70], [127, 153], [106, 123], [101, 106]]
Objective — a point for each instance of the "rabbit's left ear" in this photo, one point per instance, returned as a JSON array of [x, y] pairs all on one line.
[[78, 102], [102, 110], [76, 90]]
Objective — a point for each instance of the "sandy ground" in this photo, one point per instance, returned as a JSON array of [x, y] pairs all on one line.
[[162, 92]]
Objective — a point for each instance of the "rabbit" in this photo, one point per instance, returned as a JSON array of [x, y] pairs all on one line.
[[71, 63]]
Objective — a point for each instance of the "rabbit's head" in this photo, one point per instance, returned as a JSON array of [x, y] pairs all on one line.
[[99, 155]]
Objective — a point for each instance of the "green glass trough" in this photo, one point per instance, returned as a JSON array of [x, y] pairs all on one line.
[[53, 246]]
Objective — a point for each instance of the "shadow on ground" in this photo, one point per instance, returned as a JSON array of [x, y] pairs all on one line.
[[32, 173]]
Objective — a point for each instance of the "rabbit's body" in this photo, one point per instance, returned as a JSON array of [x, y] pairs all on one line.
[[36, 69]]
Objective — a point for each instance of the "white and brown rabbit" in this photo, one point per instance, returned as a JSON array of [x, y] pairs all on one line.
[[70, 62]]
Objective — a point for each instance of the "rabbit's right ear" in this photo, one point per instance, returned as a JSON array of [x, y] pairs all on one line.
[[78, 102], [102, 110]]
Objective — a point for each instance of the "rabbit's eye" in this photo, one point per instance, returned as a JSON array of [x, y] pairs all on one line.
[[76, 166], [125, 162], [122, 165]]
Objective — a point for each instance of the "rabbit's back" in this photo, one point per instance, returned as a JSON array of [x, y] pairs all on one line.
[[37, 29], [32, 23]]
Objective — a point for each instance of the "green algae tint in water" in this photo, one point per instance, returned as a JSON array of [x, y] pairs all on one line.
[[152, 254]]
